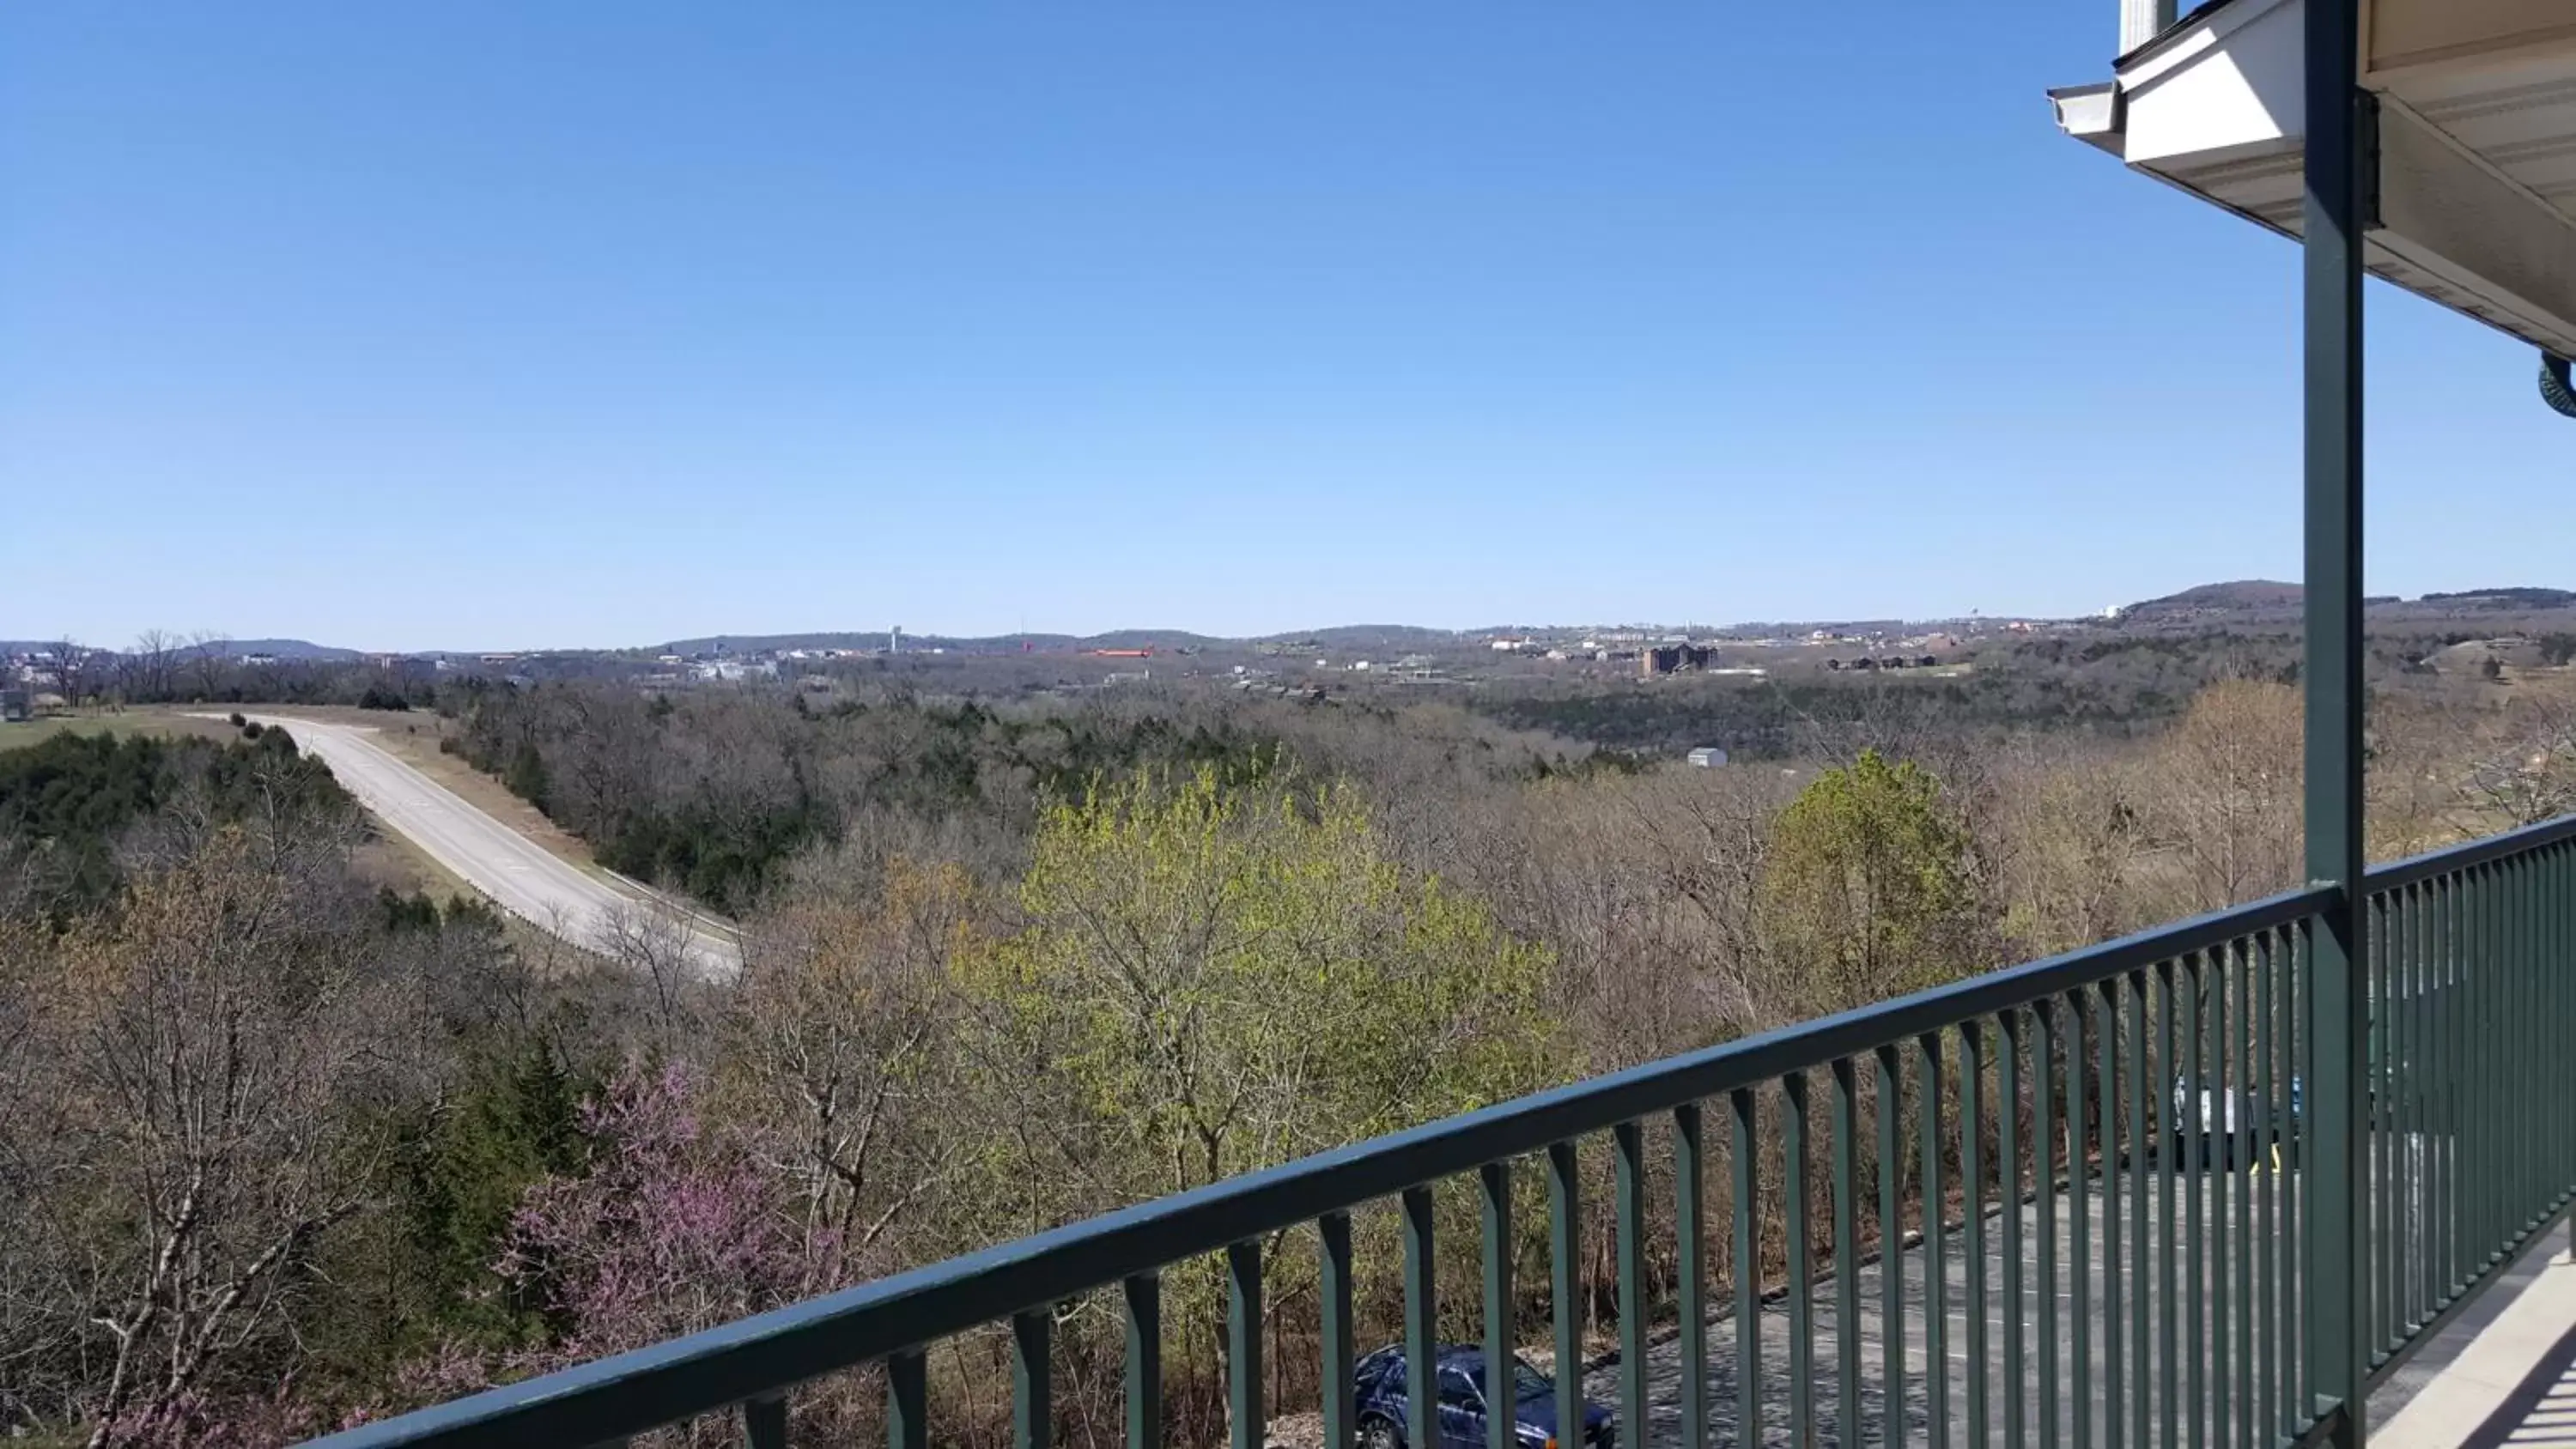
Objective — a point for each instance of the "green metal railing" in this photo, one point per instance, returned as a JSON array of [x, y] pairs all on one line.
[[2086, 1173]]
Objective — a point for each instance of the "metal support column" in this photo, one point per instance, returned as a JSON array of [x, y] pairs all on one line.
[[2339, 157]]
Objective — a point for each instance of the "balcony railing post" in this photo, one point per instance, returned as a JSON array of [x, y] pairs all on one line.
[[2338, 153]]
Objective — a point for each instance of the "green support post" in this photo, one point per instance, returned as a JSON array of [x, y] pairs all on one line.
[[2339, 159]]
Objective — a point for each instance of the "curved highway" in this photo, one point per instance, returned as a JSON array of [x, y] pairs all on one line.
[[519, 875]]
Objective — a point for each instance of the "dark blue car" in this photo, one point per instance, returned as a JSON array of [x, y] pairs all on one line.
[[1382, 1403]]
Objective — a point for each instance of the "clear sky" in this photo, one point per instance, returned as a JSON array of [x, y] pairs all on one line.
[[479, 325]]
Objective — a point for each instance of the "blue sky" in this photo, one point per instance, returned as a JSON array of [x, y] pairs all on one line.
[[505, 325]]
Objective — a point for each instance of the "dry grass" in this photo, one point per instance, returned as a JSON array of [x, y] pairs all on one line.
[[125, 722]]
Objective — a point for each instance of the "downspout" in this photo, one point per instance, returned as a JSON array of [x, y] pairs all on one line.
[[2555, 388]]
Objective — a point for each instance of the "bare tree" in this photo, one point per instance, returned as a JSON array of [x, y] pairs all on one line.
[[2226, 796], [215, 1056], [656, 944], [208, 652], [840, 1041], [151, 666], [79, 672], [2524, 766]]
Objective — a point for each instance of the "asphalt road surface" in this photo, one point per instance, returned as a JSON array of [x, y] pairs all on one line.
[[518, 874]]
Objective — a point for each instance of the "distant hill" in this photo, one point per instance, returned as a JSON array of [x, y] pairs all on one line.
[[2267, 598], [2513, 598], [987, 644], [2239, 597], [300, 650], [1370, 636]]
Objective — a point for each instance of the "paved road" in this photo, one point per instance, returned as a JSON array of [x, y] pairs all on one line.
[[518, 874]]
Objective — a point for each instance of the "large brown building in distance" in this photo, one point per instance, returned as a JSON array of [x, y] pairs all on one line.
[[1673, 658]]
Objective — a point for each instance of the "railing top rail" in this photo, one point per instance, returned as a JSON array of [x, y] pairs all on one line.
[[763, 1355], [2453, 859]]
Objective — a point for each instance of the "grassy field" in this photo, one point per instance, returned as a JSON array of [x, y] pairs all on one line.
[[117, 722]]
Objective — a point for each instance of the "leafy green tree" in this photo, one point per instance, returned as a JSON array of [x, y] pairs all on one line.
[[526, 777], [1212, 980], [1869, 891], [1229, 979]]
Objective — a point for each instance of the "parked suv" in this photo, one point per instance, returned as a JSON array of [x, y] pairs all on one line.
[[1382, 1401]]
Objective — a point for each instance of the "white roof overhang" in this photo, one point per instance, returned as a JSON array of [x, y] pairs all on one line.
[[2476, 204]]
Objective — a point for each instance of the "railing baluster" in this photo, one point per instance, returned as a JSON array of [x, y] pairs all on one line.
[[2413, 1307], [1244, 1402], [2267, 1148], [1746, 1158], [2080, 1197], [2008, 1195], [2241, 1155], [1795, 1168], [2142, 1344], [1972, 1216], [2379, 1241], [1341, 1426], [1032, 1380], [2561, 1006], [907, 1401], [2217, 1128], [2488, 960], [2527, 1024], [764, 1422], [2562, 891], [1422, 1323], [1690, 1239], [2444, 1008], [2190, 1119], [2160, 1120], [2440, 1003], [2458, 1080], [2516, 1019], [2477, 969], [1848, 1416], [2294, 1199], [1565, 1287], [1891, 1242], [1936, 1272], [1144, 1295], [2507, 1072], [2395, 1071], [1628, 1191], [2043, 1172], [1495, 1180], [2106, 1046]]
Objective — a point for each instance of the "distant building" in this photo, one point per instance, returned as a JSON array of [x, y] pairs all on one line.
[[16, 705], [1708, 757], [1673, 659]]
